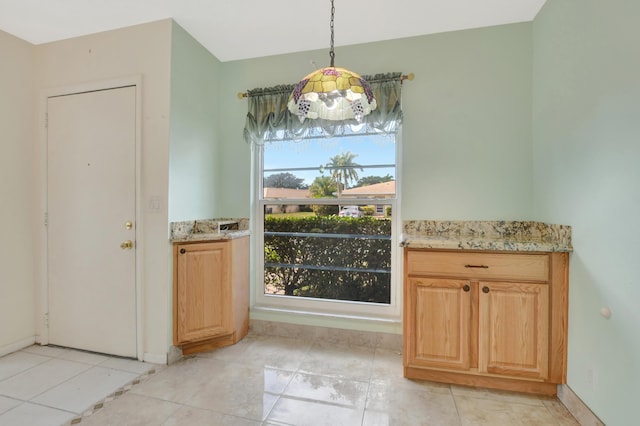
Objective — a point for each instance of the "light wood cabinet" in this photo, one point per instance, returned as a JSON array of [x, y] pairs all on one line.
[[488, 319], [210, 294]]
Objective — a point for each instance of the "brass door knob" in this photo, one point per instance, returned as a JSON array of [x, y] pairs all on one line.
[[127, 245]]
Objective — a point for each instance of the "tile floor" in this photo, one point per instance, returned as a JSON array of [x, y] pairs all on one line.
[[262, 380], [47, 385]]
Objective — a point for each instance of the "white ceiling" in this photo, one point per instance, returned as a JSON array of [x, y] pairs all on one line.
[[241, 29]]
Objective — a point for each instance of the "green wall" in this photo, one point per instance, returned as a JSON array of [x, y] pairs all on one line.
[[466, 143], [467, 131], [586, 140], [194, 127], [526, 121]]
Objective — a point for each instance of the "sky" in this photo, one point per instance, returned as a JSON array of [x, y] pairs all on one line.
[[369, 150]]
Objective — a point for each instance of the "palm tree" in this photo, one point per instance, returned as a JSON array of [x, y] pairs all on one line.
[[322, 187], [343, 169]]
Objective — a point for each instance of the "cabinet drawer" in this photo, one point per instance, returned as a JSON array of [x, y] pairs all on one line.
[[534, 267]]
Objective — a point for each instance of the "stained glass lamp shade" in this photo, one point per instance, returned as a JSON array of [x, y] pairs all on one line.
[[332, 93]]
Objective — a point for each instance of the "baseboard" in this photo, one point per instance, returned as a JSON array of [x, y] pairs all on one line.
[[16, 346], [577, 408], [175, 354], [373, 339], [155, 358]]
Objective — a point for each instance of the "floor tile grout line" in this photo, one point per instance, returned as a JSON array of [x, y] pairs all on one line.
[[66, 351], [94, 407], [48, 389], [293, 375], [366, 398], [27, 369], [455, 404], [60, 383], [40, 405], [196, 407], [89, 367], [366, 401], [108, 357]]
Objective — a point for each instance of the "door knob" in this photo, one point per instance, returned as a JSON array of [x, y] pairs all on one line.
[[127, 245]]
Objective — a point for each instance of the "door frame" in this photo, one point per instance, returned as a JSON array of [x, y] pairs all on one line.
[[42, 322]]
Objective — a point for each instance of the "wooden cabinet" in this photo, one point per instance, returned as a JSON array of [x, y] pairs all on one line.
[[496, 320], [442, 312], [210, 293]]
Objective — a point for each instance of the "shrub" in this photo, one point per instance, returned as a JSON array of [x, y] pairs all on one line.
[[329, 268], [325, 209], [368, 210]]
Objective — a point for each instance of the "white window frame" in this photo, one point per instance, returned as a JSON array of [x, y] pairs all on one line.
[[327, 307]]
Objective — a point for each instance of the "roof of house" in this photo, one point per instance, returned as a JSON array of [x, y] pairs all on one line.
[[286, 193], [375, 190]]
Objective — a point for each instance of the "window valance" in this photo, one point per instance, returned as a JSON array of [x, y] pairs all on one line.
[[269, 119]]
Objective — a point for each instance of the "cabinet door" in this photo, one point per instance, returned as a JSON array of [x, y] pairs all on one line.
[[438, 315], [203, 291], [514, 329]]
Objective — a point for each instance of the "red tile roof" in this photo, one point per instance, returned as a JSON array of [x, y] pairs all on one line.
[[286, 193], [375, 190]]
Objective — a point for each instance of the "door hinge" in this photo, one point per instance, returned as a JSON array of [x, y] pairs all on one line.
[[46, 219], [46, 320]]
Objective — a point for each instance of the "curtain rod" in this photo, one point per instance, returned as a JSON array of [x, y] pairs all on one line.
[[410, 77]]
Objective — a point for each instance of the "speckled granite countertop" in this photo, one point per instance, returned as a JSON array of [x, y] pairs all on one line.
[[208, 230], [486, 235]]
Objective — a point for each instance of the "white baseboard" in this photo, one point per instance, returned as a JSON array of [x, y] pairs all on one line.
[[16, 346], [155, 358], [577, 408]]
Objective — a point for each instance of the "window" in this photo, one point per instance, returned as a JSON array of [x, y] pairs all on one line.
[[327, 234]]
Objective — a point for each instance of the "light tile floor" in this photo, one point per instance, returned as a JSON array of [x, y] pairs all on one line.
[[51, 386], [266, 381]]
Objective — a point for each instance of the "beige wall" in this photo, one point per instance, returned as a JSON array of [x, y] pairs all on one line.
[[140, 50], [17, 104]]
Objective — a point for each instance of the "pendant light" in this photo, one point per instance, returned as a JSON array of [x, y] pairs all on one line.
[[332, 93]]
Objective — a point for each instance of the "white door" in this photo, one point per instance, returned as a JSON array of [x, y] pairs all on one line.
[[91, 210]]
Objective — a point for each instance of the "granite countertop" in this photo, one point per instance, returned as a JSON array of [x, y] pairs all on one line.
[[486, 235], [209, 230]]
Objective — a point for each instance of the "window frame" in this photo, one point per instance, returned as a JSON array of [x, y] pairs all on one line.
[[327, 307]]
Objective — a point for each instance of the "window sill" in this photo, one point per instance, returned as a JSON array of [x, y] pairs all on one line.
[[327, 319]]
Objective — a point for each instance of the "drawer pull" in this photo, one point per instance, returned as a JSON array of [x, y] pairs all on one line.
[[182, 251], [485, 289], [477, 266], [466, 288]]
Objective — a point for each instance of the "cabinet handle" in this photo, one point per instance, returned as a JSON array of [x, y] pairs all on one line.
[[466, 287], [182, 251], [477, 266], [485, 289]]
